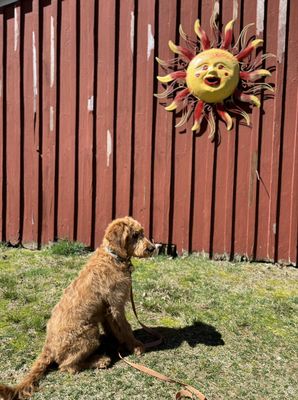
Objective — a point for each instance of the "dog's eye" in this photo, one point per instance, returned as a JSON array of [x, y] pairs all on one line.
[[135, 235]]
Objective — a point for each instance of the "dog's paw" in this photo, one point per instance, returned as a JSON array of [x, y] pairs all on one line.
[[70, 369], [103, 362], [138, 348]]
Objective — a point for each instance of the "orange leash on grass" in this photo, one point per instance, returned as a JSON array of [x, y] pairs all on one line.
[[188, 391]]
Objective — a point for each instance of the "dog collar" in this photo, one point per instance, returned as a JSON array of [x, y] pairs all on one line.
[[118, 258]]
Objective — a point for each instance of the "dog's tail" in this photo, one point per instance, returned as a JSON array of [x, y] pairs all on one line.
[[28, 385]]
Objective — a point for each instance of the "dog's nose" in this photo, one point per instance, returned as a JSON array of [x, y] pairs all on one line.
[[151, 248]]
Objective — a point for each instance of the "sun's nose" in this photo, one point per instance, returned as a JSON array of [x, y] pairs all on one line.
[[212, 72]]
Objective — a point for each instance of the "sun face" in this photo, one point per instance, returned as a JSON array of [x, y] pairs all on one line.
[[214, 76]]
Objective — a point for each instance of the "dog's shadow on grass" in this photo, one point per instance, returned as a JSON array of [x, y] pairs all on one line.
[[172, 338], [195, 334]]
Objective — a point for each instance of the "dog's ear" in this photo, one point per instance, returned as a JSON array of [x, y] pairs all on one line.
[[124, 236], [116, 238]]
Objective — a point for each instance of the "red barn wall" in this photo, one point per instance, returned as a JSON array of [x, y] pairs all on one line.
[[83, 140]]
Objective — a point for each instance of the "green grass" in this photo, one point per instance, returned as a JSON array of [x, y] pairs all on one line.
[[65, 247], [229, 329]]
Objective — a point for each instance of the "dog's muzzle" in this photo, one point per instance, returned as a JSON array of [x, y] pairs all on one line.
[[151, 249]]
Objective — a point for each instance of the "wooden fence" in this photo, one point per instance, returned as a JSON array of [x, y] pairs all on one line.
[[83, 140]]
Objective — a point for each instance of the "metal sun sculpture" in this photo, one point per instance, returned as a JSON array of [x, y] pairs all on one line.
[[211, 80]]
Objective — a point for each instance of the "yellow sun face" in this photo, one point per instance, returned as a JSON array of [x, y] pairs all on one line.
[[213, 75], [210, 81]]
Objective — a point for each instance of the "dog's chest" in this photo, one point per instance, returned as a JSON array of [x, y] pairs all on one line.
[[122, 289]]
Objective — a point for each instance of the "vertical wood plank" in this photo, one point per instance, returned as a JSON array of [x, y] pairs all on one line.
[[31, 139], [223, 165], [124, 111], [66, 213], [288, 209], [273, 225], [49, 55], [230, 165], [37, 111], [273, 125], [247, 150], [143, 114], [163, 129], [106, 85], [183, 150], [13, 124], [226, 163], [85, 140], [2, 122], [204, 170], [256, 14]]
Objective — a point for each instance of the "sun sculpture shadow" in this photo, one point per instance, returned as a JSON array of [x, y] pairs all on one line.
[[209, 80]]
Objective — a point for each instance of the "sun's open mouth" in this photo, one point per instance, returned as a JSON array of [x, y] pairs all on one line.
[[212, 81]]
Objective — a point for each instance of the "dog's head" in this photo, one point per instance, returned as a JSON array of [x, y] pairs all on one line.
[[125, 237]]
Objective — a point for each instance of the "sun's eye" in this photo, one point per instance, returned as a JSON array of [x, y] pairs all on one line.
[[220, 66], [203, 67]]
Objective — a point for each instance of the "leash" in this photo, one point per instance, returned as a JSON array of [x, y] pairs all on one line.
[[188, 391], [158, 337]]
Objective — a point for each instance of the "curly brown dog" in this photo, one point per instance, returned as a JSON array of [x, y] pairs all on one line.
[[97, 296]]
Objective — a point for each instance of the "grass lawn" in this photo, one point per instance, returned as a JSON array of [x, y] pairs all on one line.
[[229, 329]]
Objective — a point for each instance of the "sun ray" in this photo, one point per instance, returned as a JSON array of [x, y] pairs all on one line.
[[258, 62], [242, 36], [182, 33], [178, 98], [198, 115], [181, 51], [214, 27], [237, 110], [211, 124], [162, 62], [245, 52], [184, 118], [172, 76], [170, 64], [224, 116], [228, 35], [254, 75], [257, 87], [247, 98], [211, 79], [170, 90], [202, 35], [186, 38]]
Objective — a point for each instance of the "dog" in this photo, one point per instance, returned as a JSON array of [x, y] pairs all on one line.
[[96, 297]]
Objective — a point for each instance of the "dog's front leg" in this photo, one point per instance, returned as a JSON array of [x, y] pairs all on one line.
[[121, 329]]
